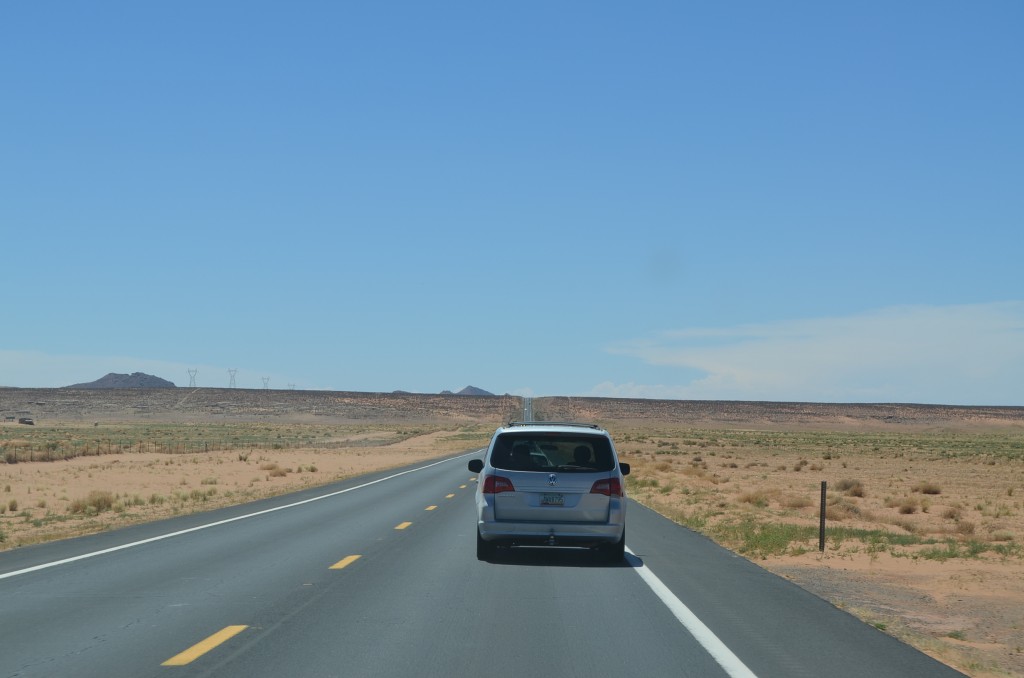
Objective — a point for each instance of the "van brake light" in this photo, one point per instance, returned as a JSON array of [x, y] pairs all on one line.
[[497, 485], [610, 487]]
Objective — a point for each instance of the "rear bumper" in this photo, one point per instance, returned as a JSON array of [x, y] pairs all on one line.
[[550, 534]]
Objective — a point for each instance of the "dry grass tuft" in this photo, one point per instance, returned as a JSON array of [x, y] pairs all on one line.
[[851, 488], [952, 513], [835, 513], [910, 527], [927, 488], [796, 502], [908, 506], [757, 498], [965, 527], [96, 502]]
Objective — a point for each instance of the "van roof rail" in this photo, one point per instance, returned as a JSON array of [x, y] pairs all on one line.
[[552, 423]]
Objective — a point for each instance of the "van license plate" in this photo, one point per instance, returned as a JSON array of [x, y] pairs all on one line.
[[553, 500]]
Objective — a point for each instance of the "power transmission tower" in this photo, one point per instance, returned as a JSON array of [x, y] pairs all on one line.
[[266, 383], [232, 373], [192, 378]]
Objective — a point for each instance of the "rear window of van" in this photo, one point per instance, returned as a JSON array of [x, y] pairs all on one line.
[[563, 452]]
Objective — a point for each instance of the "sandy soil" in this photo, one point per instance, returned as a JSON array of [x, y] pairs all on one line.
[[42, 501], [966, 613]]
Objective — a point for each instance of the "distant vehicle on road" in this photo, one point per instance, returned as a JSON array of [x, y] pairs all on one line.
[[26, 420], [551, 484]]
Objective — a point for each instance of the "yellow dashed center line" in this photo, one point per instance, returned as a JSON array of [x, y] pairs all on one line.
[[344, 562], [430, 508], [448, 496], [202, 647], [402, 526], [462, 487]]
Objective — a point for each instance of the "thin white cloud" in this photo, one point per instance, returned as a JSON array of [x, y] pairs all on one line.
[[967, 354]]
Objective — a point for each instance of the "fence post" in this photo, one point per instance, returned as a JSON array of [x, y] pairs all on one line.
[[821, 526]]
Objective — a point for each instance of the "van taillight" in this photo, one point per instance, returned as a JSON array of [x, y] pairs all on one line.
[[610, 487], [497, 484]]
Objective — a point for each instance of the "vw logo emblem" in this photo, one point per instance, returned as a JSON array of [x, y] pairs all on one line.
[[552, 479]]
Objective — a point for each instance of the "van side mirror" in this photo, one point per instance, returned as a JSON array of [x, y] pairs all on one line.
[[624, 468], [475, 465]]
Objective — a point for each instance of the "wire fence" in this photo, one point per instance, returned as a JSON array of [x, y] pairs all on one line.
[[13, 453]]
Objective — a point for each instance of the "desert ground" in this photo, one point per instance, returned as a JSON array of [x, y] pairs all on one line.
[[924, 504]]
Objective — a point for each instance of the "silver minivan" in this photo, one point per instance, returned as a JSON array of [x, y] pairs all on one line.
[[551, 484]]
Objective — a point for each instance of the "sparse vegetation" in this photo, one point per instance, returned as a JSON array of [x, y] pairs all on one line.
[[759, 499], [908, 506], [708, 502], [927, 488], [60, 443], [851, 488], [796, 502], [96, 502], [187, 466]]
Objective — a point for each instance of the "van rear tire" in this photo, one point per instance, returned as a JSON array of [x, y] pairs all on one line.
[[484, 549], [614, 553]]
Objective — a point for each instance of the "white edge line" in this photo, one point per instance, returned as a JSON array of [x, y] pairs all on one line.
[[701, 633], [133, 544]]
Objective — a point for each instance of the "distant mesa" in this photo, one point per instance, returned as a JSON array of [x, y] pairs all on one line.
[[133, 380]]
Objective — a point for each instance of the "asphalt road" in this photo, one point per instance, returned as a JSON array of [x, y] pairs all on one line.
[[257, 596]]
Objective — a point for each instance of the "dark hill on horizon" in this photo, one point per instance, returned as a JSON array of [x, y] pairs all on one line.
[[133, 380], [469, 391], [474, 391]]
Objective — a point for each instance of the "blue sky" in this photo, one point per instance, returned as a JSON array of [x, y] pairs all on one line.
[[766, 201]]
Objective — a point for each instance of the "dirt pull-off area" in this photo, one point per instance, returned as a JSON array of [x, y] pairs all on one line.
[[968, 613]]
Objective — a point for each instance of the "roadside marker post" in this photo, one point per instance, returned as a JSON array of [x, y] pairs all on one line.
[[821, 525]]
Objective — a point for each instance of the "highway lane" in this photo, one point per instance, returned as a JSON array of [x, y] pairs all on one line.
[[415, 601]]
